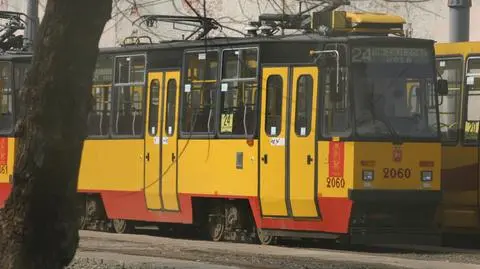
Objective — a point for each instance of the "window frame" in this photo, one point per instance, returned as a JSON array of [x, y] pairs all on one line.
[[465, 95], [115, 83], [284, 105], [183, 79], [11, 63], [109, 131], [115, 91], [344, 64], [310, 111], [110, 119], [461, 108], [148, 120], [432, 67], [255, 79], [175, 111], [16, 89], [237, 49]]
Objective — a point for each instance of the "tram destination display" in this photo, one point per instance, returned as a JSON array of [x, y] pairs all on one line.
[[391, 55]]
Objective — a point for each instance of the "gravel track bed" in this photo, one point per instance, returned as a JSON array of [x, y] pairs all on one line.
[[425, 253], [85, 263], [229, 254], [182, 246], [254, 262]]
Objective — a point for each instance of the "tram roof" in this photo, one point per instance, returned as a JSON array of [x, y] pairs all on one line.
[[243, 41], [237, 41]]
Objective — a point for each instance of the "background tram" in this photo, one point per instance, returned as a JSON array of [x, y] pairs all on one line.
[[308, 135], [459, 64]]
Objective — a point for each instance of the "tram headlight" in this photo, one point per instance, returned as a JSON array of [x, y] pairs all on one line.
[[367, 175], [426, 176]]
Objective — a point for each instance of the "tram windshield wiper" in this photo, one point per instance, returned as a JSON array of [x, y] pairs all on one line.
[[396, 137]]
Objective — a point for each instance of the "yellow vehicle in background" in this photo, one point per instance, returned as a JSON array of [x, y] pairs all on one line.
[[459, 64]]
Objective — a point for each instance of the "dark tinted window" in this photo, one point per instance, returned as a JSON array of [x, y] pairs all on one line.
[[273, 117], [199, 92], [303, 106], [99, 116], [449, 106], [128, 118], [238, 92], [171, 107], [153, 107], [6, 97]]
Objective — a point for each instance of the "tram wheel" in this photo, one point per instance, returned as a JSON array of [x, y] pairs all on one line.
[[82, 214], [82, 221], [216, 224], [266, 239], [121, 226]]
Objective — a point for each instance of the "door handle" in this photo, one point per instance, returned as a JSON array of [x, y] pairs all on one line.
[[309, 159], [147, 156], [173, 157], [265, 158]]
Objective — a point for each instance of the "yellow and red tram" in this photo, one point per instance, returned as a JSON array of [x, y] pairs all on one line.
[[328, 136], [459, 64]]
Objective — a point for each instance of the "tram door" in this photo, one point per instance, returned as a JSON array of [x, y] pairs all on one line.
[[287, 142], [169, 141], [273, 199], [152, 142], [302, 142], [161, 141]]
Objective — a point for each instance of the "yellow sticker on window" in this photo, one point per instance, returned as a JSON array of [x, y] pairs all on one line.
[[227, 123], [471, 127]]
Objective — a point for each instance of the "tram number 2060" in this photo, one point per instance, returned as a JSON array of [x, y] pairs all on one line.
[[397, 173], [335, 182]]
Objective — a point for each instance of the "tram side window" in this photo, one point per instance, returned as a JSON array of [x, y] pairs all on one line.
[[130, 69], [273, 117], [171, 107], [473, 102], [129, 116], [336, 105], [303, 106], [238, 92], [99, 116], [128, 93], [20, 73], [6, 97], [449, 106], [199, 92], [153, 107]]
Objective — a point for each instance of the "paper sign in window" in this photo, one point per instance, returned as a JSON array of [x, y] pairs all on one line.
[[224, 87], [227, 123], [273, 130]]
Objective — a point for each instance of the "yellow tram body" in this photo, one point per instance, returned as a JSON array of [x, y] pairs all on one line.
[[273, 136]]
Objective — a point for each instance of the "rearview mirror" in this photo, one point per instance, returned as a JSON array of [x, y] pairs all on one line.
[[442, 87], [336, 93]]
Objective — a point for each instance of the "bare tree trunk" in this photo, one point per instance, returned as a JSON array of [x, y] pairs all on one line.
[[38, 226]]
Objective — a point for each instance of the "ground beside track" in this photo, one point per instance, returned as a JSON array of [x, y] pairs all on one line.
[[144, 251]]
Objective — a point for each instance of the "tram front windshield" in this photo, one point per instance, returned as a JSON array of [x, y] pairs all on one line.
[[393, 92]]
